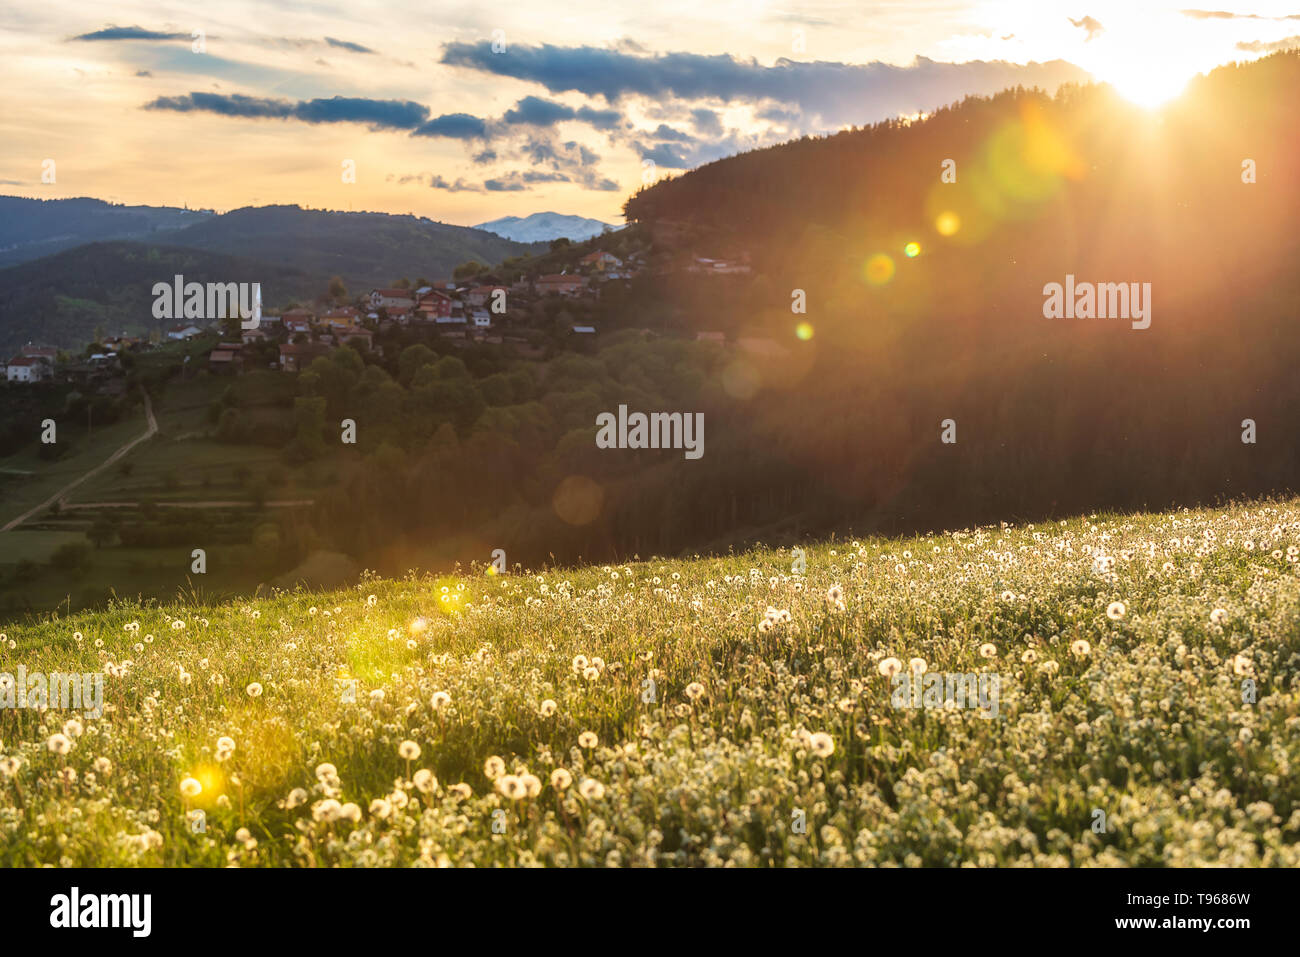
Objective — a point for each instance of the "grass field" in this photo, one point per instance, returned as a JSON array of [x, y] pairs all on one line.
[[717, 711]]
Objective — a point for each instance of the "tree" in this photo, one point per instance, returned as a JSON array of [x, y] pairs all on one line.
[[467, 270], [337, 291], [101, 532]]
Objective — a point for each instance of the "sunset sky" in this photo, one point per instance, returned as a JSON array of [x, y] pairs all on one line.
[[565, 114]]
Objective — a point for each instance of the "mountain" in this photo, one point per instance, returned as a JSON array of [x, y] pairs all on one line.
[[543, 227], [366, 249], [32, 228], [60, 300]]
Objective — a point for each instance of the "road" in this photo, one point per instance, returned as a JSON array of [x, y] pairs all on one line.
[[149, 432]]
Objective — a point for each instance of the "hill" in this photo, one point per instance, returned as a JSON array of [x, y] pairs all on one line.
[[366, 249], [1134, 670], [33, 228], [62, 299], [543, 227]]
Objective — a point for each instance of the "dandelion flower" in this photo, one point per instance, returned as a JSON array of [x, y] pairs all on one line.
[[890, 667], [695, 691], [988, 650], [1080, 648], [408, 750], [821, 744], [191, 787], [548, 708], [424, 781], [254, 690], [440, 700], [511, 787], [59, 743], [587, 739], [1116, 610], [591, 790], [1219, 616], [561, 779], [493, 768]]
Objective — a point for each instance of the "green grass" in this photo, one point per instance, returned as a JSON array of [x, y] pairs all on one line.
[[714, 734]]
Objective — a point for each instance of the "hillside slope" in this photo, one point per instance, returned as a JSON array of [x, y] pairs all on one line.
[[32, 228], [708, 712], [366, 249]]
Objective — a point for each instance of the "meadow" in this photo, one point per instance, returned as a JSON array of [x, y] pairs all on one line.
[[718, 711]]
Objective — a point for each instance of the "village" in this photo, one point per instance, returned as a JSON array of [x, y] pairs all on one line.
[[481, 309]]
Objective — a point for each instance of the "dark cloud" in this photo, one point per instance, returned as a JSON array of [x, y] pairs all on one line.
[[348, 45], [503, 186], [460, 186], [455, 126], [535, 111], [486, 156], [1091, 24], [706, 122], [826, 93], [666, 132], [378, 114], [131, 33], [662, 154], [143, 73]]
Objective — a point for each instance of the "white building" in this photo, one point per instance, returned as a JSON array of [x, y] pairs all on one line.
[[27, 369]]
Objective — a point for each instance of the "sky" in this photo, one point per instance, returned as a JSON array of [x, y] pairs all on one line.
[[465, 112]]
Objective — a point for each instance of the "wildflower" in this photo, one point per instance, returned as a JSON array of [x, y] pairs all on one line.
[[59, 743], [890, 667], [587, 739], [511, 787], [1080, 648], [296, 798], [1116, 610], [1219, 616], [821, 744], [350, 812], [695, 691], [380, 808], [988, 650], [327, 810], [835, 594], [591, 790], [424, 781], [440, 700], [72, 728], [408, 750], [493, 768], [103, 767], [561, 779], [547, 708], [190, 787], [225, 748], [254, 690]]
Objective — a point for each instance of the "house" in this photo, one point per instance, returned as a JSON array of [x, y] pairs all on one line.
[[560, 284], [600, 261], [250, 336], [225, 361], [355, 335], [584, 330], [401, 314], [298, 324], [27, 369], [297, 356], [455, 319], [480, 295], [48, 353], [482, 319], [434, 303], [117, 343], [339, 318], [387, 298], [179, 333]]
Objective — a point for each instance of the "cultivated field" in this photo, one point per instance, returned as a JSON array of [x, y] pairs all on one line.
[[722, 711]]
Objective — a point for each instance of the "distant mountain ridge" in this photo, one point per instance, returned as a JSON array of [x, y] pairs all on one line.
[[32, 228], [543, 227]]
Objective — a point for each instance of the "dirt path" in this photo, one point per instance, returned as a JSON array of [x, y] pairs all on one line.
[[123, 450]]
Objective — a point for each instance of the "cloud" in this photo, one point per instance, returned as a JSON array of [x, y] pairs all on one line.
[[503, 186], [378, 114], [827, 93], [706, 122], [130, 33], [143, 73], [1226, 15], [665, 132], [1260, 46], [460, 186], [455, 126], [348, 45], [535, 111], [1091, 24], [662, 154]]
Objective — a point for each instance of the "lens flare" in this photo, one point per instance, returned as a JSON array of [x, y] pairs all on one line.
[[804, 331], [912, 250], [947, 223], [879, 269]]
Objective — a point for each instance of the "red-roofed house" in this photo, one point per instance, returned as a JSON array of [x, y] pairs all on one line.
[[562, 285]]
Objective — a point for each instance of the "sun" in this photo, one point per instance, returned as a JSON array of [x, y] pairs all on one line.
[[1146, 85]]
